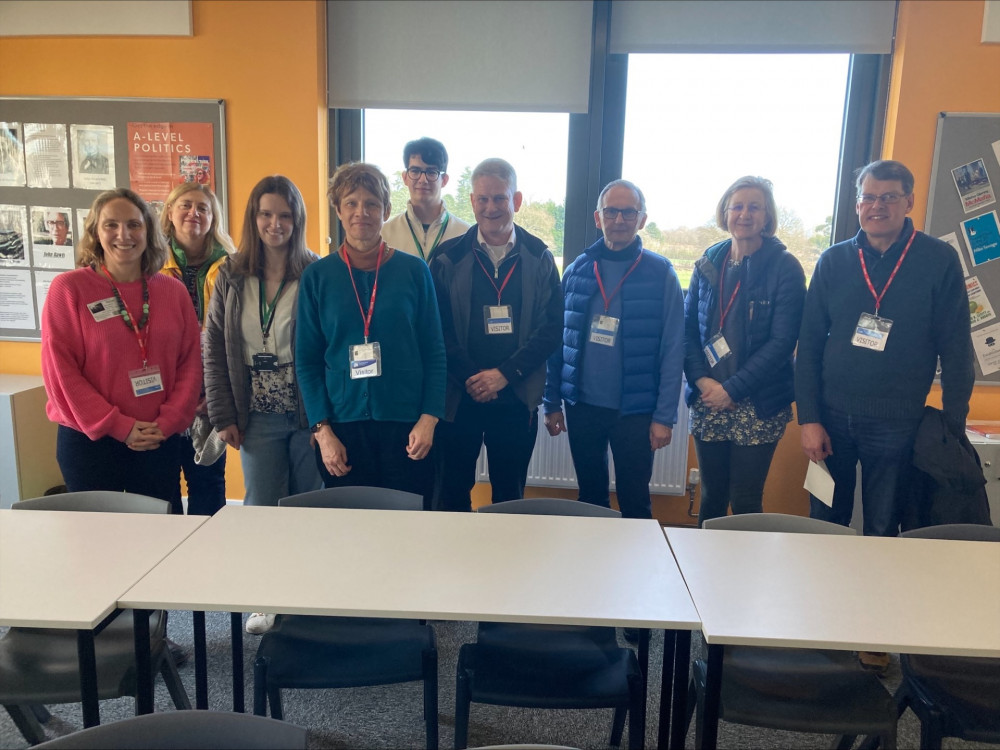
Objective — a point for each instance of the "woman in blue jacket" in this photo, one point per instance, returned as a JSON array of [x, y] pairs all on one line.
[[741, 322]]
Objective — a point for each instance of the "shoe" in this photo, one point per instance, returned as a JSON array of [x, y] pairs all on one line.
[[631, 634], [259, 623], [874, 661], [179, 654]]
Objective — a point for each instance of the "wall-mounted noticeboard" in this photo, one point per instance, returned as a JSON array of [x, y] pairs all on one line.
[[963, 210], [58, 153]]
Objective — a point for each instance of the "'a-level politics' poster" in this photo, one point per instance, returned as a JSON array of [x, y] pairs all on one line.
[[162, 155]]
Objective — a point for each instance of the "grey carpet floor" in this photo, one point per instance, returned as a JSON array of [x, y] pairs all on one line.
[[390, 716]]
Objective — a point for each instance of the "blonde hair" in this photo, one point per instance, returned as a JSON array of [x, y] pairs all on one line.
[[91, 251], [215, 229]]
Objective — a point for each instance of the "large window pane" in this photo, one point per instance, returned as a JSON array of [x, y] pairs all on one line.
[[534, 143], [695, 123]]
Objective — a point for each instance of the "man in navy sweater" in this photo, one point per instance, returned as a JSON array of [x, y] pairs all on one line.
[[619, 368], [881, 309]]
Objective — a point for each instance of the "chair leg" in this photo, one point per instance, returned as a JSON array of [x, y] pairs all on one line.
[[930, 730], [41, 713], [636, 712], [259, 687], [618, 726], [463, 700], [430, 671], [172, 679], [277, 708], [26, 723], [692, 699]]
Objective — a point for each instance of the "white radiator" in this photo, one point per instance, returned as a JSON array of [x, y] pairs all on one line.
[[552, 465]]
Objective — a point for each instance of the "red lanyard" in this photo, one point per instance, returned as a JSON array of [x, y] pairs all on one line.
[[505, 280], [371, 303], [600, 283], [130, 321], [871, 287], [722, 287]]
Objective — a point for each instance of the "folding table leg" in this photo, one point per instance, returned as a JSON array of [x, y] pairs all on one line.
[[236, 628], [666, 685], [682, 666], [200, 662], [88, 677], [143, 662], [713, 697]]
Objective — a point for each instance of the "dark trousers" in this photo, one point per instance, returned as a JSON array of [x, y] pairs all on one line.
[[507, 429], [108, 464], [376, 453], [732, 475], [591, 430], [206, 485], [885, 449]]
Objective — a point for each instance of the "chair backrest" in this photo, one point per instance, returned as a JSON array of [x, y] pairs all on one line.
[[363, 498], [96, 501], [550, 506], [777, 522], [180, 730], [969, 532]]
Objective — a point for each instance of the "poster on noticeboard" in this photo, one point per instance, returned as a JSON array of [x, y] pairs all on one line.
[[162, 155]]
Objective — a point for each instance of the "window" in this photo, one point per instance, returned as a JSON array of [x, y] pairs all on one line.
[[694, 123], [534, 143]]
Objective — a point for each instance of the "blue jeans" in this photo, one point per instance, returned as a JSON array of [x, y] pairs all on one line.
[[277, 459], [885, 449], [206, 485]]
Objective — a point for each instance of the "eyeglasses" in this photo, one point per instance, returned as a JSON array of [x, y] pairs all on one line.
[[887, 198], [58, 223], [628, 214], [431, 174]]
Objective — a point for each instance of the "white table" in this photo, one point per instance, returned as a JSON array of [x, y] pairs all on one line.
[[424, 565], [917, 596], [67, 570]]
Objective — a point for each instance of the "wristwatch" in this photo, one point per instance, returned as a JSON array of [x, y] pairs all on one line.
[[321, 423]]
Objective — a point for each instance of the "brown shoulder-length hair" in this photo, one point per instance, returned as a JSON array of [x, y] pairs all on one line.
[[250, 257], [770, 207], [357, 174], [92, 253], [215, 228]]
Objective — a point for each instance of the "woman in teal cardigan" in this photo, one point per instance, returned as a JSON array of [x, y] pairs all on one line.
[[371, 360]]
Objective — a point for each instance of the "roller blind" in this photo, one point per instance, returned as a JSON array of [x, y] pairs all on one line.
[[849, 26], [517, 55]]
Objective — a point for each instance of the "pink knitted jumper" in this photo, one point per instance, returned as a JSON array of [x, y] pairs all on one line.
[[86, 363]]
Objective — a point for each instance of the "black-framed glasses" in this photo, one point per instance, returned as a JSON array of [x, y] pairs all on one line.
[[611, 213], [56, 223], [888, 199], [431, 174]]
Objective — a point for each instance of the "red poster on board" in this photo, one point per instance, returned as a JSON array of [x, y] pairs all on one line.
[[162, 155]]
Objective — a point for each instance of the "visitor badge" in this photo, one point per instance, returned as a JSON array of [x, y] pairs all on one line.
[[146, 380], [104, 309], [499, 319], [603, 330], [366, 361], [872, 332], [717, 349], [265, 362]]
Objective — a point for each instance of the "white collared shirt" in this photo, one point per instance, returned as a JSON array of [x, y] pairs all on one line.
[[497, 252]]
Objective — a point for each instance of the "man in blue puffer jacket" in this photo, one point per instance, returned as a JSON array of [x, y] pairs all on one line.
[[619, 368]]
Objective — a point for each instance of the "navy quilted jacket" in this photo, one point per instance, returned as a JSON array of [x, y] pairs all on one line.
[[774, 288]]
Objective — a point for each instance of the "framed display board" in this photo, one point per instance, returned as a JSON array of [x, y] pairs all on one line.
[[57, 154], [962, 209]]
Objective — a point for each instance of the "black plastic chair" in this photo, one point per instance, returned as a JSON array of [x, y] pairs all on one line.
[[312, 652], [800, 690], [40, 666], [551, 666], [186, 730], [953, 696]]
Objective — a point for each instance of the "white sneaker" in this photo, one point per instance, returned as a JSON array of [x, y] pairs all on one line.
[[259, 623]]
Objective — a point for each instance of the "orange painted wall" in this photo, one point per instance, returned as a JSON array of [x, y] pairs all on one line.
[[267, 60]]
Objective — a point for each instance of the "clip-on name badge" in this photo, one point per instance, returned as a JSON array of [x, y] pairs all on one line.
[[603, 330], [145, 380], [717, 349], [499, 319], [872, 332], [366, 360], [104, 309]]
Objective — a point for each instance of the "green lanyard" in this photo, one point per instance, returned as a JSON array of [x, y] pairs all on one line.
[[267, 310], [420, 249]]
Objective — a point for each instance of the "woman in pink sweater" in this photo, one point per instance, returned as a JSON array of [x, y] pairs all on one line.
[[120, 356]]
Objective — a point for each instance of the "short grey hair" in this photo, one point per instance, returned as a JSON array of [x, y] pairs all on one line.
[[886, 170], [626, 184], [496, 168]]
